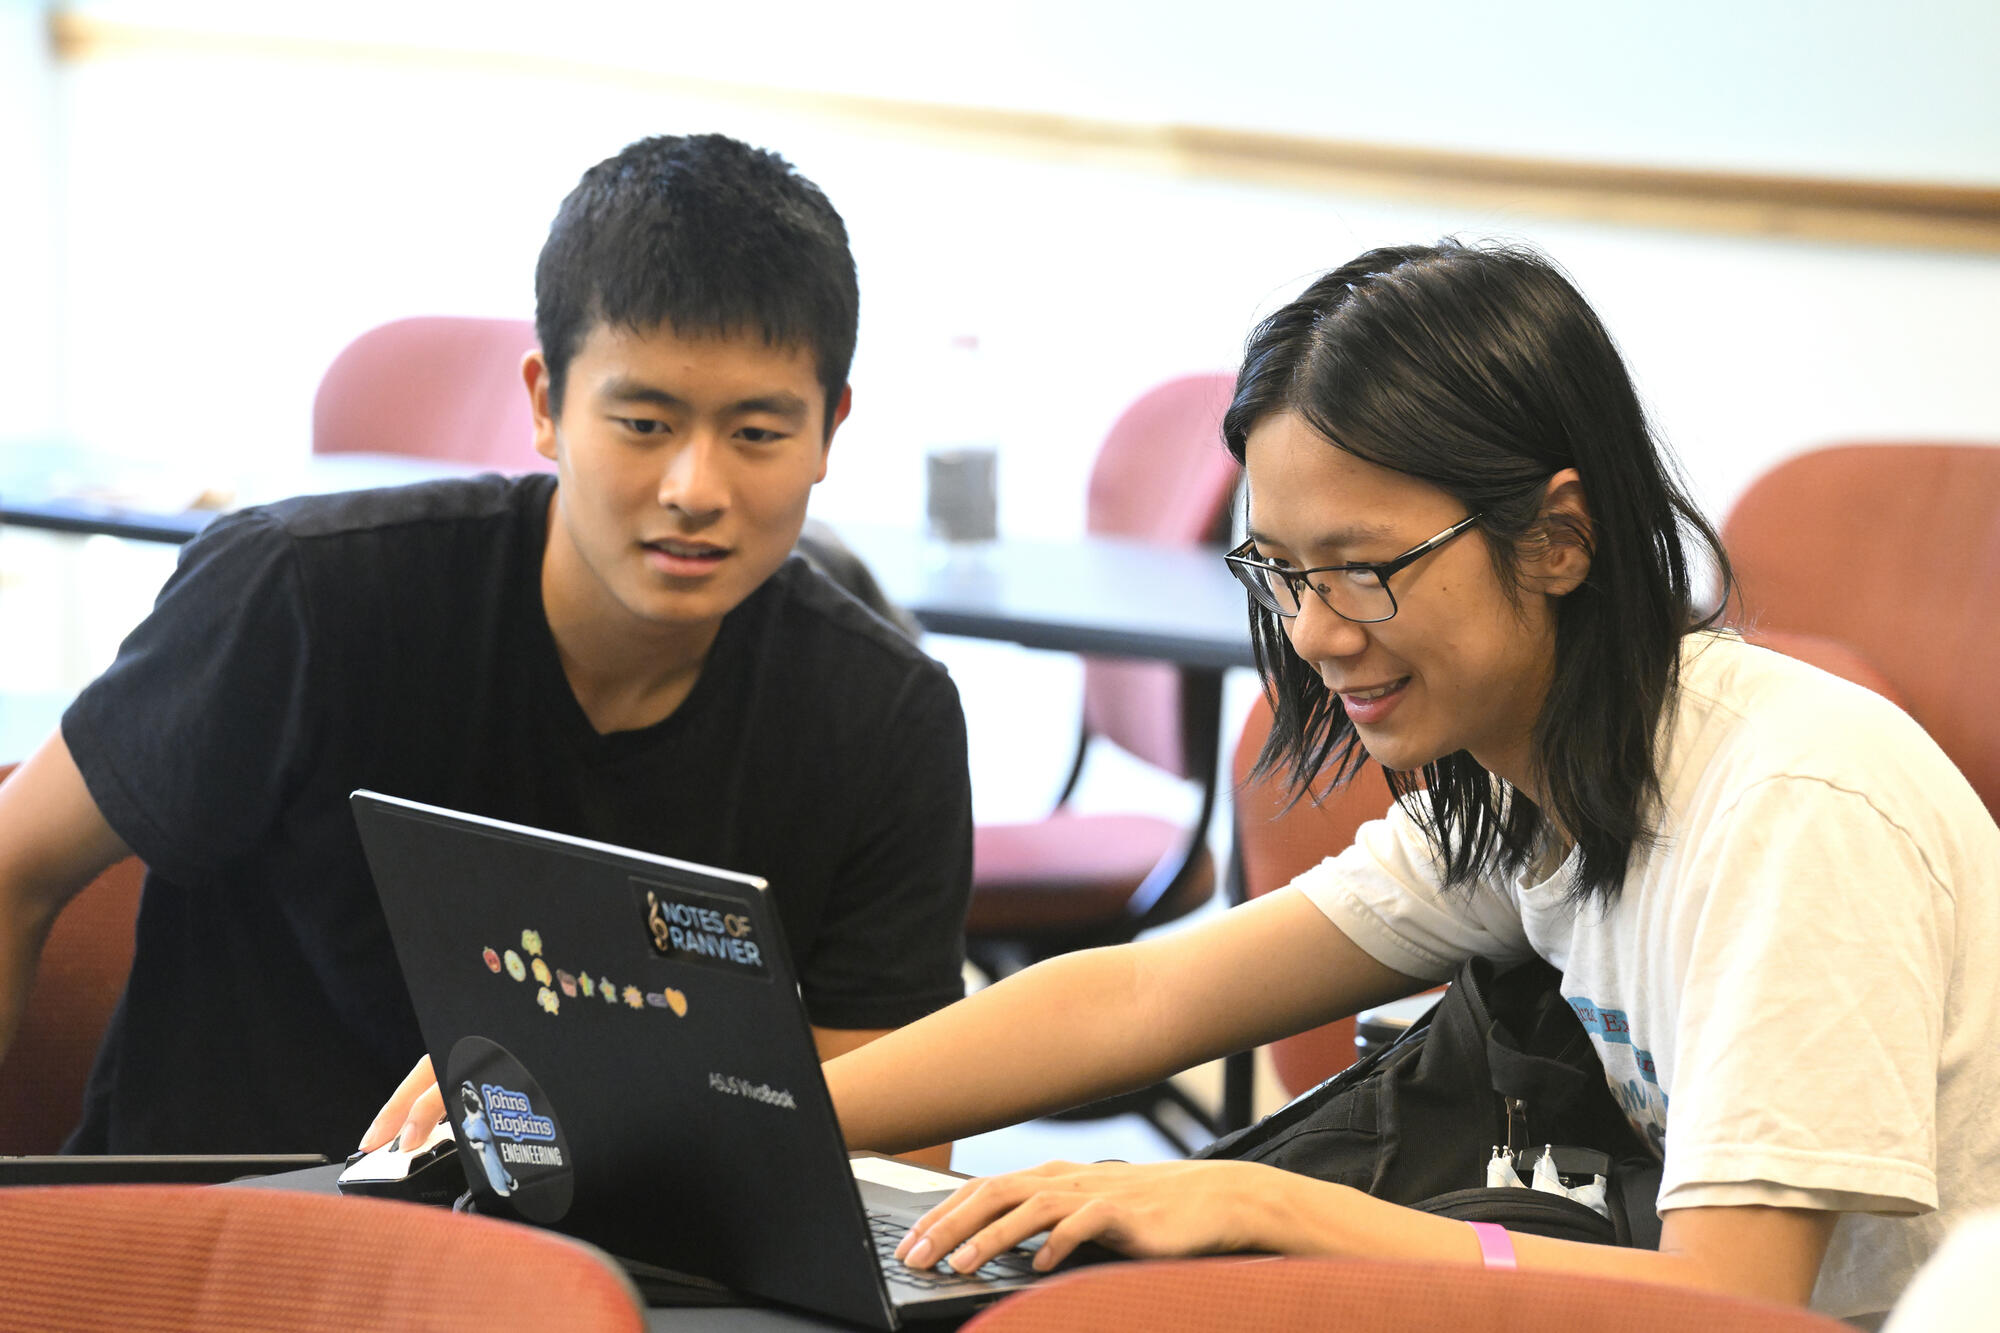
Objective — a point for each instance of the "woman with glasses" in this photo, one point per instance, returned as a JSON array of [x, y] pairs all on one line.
[[1469, 562]]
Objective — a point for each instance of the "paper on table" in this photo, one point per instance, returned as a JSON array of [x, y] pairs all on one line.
[[902, 1176]]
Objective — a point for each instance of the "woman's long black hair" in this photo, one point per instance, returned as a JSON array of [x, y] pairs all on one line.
[[1481, 370]]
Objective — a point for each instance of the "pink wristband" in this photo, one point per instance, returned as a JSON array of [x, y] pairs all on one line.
[[1496, 1247]]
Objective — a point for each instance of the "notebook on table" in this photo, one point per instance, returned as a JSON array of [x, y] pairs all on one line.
[[625, 1057]]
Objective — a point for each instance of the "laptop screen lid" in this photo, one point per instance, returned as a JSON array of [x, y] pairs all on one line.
[[623, 1052]]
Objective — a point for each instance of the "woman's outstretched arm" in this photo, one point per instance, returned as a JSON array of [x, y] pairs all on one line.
[[1085, 1025]]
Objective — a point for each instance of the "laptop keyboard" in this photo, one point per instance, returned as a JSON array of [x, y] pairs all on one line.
[[889, 1232]]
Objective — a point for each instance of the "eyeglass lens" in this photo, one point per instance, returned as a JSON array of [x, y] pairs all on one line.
[[1356, 594]]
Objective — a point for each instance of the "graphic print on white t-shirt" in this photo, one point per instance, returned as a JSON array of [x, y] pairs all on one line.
[[1629, 1069]]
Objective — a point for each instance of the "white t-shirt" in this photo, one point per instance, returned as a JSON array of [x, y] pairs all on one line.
[[1796, 995]]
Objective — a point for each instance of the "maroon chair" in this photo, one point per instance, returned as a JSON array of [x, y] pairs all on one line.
[[1073, 880], [189, 1258], [83, 969], [1894, 551], [1276, 841], [438, 387], [1372, 1296]]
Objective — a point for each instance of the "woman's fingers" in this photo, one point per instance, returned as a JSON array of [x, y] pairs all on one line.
[[941, 1230], [1044, 1210], [397, 1113], [1155, 1209], [987, 1217], [1096, 1220], [922, 1226]]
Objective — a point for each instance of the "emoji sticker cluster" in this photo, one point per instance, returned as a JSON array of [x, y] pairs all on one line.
[[553, 985]]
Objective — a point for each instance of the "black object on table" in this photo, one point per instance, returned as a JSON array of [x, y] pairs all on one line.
[[62, 489], [150, 1169]]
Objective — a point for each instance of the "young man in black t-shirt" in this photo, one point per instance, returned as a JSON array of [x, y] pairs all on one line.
[[623, 651]]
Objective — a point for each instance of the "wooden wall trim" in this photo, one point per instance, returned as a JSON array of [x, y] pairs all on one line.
[[1825, 209]]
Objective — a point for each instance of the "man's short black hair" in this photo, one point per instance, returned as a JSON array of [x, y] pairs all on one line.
[[706, 236]]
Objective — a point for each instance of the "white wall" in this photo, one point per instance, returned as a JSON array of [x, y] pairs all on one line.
[[30, 238], [1837, 87], [230, 221]]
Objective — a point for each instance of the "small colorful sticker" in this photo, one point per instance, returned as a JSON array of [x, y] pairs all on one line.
[[567, 982], [531, 940], [657, 1000], [547, 999], [541, 971], [607, 990], [584, 983], [515, 967], [633, 998], [676, 1001], [492, 960]]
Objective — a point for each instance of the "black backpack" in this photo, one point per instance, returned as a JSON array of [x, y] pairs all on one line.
[[1499, 1060]]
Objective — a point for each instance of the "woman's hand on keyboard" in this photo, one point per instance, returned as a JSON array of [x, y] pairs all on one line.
[[1146, 1210]]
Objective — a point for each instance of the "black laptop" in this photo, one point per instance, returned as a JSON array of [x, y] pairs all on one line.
[[625, 1057]]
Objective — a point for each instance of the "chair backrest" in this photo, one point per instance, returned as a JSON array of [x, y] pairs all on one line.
[[82, 974], [180, 1257], [436, 387], [1893, 549], [1274, 846], [1372, 1296], [1161, 474]]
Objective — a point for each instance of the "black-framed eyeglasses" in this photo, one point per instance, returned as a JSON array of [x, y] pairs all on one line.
[[1356, 592]]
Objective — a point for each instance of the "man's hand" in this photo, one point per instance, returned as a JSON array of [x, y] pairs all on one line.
[[411, 1112]]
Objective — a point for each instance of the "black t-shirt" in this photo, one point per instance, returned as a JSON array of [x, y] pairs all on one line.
[[396, 640]]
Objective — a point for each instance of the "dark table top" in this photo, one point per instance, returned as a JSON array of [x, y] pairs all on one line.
[[1110, 596], [1088, 594]]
